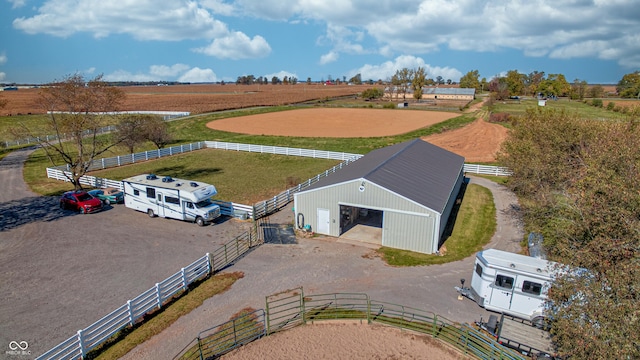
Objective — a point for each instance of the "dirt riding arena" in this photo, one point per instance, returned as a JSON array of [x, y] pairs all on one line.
[[345, 341], [477, 142]]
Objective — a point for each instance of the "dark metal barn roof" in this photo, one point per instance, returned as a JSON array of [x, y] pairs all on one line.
[[414, 169]]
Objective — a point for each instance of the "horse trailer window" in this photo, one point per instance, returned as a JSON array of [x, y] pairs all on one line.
[[151, 193], [504, 282], [531, 287], [478, 269]]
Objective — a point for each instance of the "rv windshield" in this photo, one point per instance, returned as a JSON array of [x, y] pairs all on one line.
[[203, 204]]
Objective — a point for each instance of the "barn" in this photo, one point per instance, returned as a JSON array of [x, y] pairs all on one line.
[[448, 93], [399, 196]]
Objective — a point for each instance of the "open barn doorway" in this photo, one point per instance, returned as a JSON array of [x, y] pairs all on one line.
[[361, 224]]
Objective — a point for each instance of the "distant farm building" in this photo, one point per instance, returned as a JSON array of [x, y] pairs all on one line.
[[399, 196], [448, 93]]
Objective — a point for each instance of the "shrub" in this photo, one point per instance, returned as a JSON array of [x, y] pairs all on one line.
[[596, 102], [499, 117], [611, 105], [389, 106]]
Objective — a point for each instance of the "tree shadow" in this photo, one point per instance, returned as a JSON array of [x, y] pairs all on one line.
[[20, 212], [186, 174]]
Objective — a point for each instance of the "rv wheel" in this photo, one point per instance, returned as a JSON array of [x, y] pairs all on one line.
[[199, 221], [150, 213]]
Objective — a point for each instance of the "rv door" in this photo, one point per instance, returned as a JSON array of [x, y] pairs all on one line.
[[502, 292], [160, 203]]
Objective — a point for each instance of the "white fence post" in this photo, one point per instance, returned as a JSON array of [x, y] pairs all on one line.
[[81, 343], [209, 263], [130, 308], [159, 295], [184, 280]]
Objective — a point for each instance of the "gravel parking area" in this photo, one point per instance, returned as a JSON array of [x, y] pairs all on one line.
[[61, 271]]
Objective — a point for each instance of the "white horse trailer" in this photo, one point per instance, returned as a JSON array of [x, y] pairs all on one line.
[[171, 198], [511, 284]]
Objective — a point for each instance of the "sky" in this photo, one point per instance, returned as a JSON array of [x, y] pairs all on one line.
[[219, 40]]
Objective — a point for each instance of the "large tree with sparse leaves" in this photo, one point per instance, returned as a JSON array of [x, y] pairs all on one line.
[[77, 112]]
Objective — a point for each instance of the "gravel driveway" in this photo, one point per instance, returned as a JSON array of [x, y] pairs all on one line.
[[60, 272]]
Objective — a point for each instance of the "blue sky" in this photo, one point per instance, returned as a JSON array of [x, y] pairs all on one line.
[[213, 40]]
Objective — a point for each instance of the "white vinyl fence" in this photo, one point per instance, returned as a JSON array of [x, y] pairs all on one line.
[[78, 345]]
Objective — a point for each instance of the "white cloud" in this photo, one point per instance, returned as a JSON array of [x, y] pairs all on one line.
[[236, 45], [535, 28], [197, 75], [219, 7], [176, 72], [17, 3], [2, 76], [3, 59], [329, 57], [165, 20], [90, 70], [387, 69], [164, 71], [280, 75]]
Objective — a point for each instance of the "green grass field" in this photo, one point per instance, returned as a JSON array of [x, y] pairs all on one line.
[[578, 107]]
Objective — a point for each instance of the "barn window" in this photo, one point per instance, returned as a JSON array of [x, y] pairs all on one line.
[[504, 282], [531, 287]]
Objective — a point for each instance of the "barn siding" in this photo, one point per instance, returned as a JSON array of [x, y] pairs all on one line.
[[398, 229], [409, 232]]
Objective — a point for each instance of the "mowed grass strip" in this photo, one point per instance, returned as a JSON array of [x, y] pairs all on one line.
[[475, 225], [128, 340]]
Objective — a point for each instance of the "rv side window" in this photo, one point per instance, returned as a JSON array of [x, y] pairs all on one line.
[[479, 269], [172, 200], [531, 287], [188, 205], [151, 193], [504, 282], [136, 192]]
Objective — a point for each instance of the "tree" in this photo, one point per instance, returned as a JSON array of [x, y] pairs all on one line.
[[596, 91], [130, 131], [532, 81], [308, 81], [579, 184], [404, 77], [499, 88], [579, 89], [418, 81], [356, 79], [275, 80], [470, 80], [629, 85], [554, 85], [156, 130], [77, 110], [373, 93], [515, 82]]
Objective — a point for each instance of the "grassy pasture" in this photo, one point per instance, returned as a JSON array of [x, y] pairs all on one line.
[[584, 110]]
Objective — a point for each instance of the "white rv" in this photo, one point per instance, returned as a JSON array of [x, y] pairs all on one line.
[[171, 198], [511, 284]]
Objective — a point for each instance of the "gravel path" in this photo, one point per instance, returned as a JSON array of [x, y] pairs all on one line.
[[60, 272]]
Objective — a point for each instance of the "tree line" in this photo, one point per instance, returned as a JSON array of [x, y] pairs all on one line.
[[578, 181], [537, 83]]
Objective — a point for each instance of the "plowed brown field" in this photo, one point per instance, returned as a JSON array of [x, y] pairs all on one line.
[[196, 98]]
